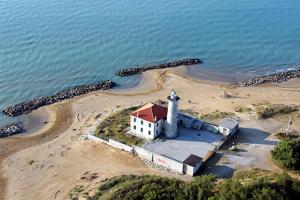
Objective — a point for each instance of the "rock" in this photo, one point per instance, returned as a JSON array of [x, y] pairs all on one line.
[[273, 78], [9, 130], [29, 106], [140, 69]]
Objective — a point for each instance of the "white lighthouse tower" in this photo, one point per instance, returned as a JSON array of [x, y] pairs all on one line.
[[171, 124]]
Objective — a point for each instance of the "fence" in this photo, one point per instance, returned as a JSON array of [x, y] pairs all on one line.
[[120, 145], [96, 139], [168, 163], [159, 159], [143, 153]]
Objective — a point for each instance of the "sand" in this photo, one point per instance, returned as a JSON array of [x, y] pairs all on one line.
[[50, 161]]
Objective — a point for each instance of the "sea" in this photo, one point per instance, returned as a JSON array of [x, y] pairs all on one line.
[[50, 45]]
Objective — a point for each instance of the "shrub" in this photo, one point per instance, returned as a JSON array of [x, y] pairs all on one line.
[[287, 153], [202, 188], [242, 109], [274, 109]]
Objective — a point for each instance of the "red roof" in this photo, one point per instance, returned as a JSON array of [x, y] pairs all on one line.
[[151, 112]]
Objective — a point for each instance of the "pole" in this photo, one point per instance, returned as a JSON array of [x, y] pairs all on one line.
[[289, 124]]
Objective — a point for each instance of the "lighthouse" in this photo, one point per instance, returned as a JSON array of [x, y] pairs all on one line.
[[171, 124]]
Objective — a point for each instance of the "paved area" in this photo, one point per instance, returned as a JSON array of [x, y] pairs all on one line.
[[188, 141], [254, 151]]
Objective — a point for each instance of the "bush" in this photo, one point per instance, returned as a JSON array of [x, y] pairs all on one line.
[[242, 109], [287, 153], [274, 109], [132, 187]]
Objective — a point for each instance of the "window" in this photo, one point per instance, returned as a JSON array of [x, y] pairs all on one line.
[[149, 132], [141, 129], [134, 119], [142, 122], [156, 132], [134, 127], [149, 125], [157, 124]]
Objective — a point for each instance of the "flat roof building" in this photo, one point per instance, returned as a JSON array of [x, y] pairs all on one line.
[[229, 126]]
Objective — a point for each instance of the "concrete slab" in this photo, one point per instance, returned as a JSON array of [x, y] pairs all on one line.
[[189, 141]]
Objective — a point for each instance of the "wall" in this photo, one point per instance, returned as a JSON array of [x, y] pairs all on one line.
[[96, 139], [145, 126], [158, 127], [188, 170], [211, 127], [119, 145], [143, 153], [168, 163]]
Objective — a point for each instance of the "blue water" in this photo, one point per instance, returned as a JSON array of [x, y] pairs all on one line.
[[50, 45]]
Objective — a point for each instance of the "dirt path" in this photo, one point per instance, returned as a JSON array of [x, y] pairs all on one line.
[[9, 146]]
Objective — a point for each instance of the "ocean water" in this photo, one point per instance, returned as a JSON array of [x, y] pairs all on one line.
[[50, 45]]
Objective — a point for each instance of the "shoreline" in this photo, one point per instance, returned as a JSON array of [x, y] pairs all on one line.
[[149, 81], [61, 114], [155, 84]]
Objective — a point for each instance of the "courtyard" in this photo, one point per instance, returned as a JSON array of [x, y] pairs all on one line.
[[189, 141]]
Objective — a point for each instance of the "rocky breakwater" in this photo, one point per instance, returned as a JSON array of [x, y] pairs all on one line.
[[9, 130], [273, 78], [140, 69], [29, 106]]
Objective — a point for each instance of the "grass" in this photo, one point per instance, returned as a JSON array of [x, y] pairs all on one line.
[[31, 162], [242, 109], [271, 110], [216, 116], [250, 184], [75, 191], [190, 112], [283, 136], [115, 127]]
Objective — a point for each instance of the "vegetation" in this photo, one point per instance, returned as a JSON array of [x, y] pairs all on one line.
[[287, 153], [284, 135], [242, 109], [147, 187], [190, 112], [216, 116], [31, 162], [271, 110], [115, 127]]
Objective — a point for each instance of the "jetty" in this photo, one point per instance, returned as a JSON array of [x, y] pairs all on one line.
[[140, 69], [272, 78], [10, 129], [28, 106]]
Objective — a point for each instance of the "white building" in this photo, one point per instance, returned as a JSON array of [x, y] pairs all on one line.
[[148, 121], [151, 120], [228, 126]]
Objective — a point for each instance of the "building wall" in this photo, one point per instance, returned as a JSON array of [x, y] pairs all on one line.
[[141, 128], [158, 127], [120, 145], [168, 163], [143, 153], [190, 170], [226, 131]]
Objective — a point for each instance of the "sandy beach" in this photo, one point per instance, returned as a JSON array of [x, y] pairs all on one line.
[[49, 161]]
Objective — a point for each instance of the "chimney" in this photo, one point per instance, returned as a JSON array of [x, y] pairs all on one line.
[[155, 118]]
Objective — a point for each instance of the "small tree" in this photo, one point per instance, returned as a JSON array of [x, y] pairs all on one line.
[[231, 190], [287, 153]]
